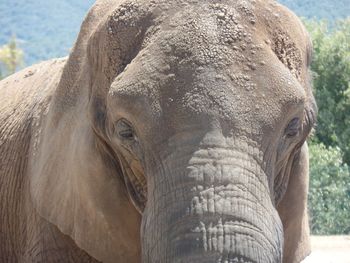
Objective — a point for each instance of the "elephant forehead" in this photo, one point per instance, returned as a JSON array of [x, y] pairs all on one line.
[[233, 33], [206, 32], [217, 59], [237, 97], [258, 97], [200, 39]]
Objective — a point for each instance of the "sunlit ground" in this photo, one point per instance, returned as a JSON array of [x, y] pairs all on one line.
[[329, 249]]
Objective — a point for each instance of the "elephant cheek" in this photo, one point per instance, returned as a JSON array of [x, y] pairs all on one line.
[[211, 212]]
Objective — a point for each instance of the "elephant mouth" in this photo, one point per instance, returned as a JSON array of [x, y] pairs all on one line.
[[132, 175], [135, 183]]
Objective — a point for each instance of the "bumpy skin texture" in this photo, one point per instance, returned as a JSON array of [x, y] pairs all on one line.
[[174, 132]]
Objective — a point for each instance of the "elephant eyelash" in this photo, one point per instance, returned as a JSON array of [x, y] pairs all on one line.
[[124, 129], [127, 134]]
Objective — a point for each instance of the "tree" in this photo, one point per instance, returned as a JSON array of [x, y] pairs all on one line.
[[11, 57], [331, 67], [329, 194]]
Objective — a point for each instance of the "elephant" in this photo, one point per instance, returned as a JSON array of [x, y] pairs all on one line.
[[175, 131]]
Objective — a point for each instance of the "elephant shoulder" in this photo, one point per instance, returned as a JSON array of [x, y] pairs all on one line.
[[31, 83], [24, 98], [28, 90]]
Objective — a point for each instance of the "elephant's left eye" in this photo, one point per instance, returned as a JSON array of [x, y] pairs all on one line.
[[293, 128], [124, 130]]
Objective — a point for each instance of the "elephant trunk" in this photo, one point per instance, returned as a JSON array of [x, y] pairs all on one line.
[[213, 206]]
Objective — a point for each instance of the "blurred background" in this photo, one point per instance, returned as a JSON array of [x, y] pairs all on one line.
[[36, 30]]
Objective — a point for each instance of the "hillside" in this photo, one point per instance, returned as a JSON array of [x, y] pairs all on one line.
[[44, 28], [320, 9], [48, 28]]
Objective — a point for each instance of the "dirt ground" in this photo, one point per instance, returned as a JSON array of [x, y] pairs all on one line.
[[329, 249]]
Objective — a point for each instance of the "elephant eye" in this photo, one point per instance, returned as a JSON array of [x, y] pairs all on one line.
[[292, 128], [124, 130]]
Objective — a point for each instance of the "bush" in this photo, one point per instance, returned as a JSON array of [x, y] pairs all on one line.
[[329, 194], [11, 57]]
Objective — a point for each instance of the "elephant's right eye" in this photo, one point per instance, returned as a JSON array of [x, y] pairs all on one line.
[[124, 130]]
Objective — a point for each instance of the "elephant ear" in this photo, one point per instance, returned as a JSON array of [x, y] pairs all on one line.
[[74, 179], [293, 210], [75, 184]]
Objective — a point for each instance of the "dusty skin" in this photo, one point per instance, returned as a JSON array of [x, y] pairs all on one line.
[[174, 132]]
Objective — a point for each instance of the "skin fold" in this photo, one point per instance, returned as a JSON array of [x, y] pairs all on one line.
[[174, 132]]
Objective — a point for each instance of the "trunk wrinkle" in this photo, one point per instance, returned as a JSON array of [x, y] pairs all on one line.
[[212, 204]]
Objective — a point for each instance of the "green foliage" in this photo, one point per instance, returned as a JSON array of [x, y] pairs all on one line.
[[331, 67], [329, 194], [11, 57]]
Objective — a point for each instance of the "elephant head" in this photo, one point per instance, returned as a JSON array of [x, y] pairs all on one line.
[[177, 134]]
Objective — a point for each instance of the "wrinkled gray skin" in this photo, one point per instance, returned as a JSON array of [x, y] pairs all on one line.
[[174, 132]]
